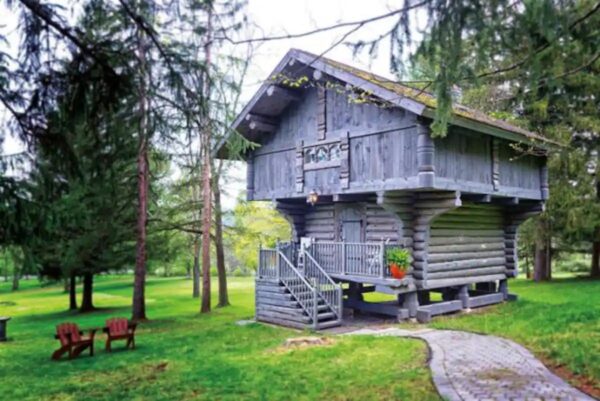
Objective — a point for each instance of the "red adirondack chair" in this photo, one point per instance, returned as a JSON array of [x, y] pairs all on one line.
[[72, 341], [119, 328]]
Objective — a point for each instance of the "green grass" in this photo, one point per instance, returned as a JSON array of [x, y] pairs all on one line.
[[183, 355], [559, 321]]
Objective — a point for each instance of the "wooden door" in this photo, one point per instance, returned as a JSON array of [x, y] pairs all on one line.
[[351, 224], [352, 231]]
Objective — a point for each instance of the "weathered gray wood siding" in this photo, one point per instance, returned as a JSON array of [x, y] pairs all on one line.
[[466, 245], [388, 156], [323, 223], [464, 157], [320, 222], [474, 162], [519, 170], [382, 143]]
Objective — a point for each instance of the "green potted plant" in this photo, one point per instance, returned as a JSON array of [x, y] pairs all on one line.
[[398, 260]]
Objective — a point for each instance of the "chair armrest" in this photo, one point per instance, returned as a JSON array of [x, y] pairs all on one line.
[[69, 340], [92, 333]]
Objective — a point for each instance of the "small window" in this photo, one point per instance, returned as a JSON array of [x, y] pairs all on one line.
[[309, 156], [335, 152], [322, 154]]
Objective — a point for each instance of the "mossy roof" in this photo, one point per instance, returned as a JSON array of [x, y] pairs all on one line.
[[427, 99]]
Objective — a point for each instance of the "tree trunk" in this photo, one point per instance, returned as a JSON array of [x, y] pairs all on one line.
[[542, 270], [139, 285], [595, 259], [72, 292], [15, 281], [223, 295], [87, 304], [196, 269], [206, 170], [5, 265], [595, 271], [206, 225]]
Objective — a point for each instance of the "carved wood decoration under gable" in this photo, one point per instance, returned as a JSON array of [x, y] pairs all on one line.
[[321, 112]]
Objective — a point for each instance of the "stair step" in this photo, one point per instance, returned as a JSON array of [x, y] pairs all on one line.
[[283, 322], [274, 289], [268, 281], [291, 310], [328, 324], [294, 317], [277, 302], [325, 316], [275, 295]]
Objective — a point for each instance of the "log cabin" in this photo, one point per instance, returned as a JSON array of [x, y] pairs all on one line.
[[349, 159]]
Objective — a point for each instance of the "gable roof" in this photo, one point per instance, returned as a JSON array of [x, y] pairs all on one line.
[[414, 100]]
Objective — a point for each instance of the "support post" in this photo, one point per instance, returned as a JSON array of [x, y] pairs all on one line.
[[382, 259], [315, 309], [300, 166], [344, 161], [503, 288], [425, 156], [277, 262], [250, 178], [411, 303], [344, 258], [463, 296]]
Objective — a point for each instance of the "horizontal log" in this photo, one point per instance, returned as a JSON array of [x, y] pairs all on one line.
[[383, 219], [281, 322], [481, 271], [319, 229], [283, 94], [462, 239], [452, 216], [483, 300], [462, 281], [321, 214], [471, 233], [489, 246], [451, 257], [465, 264], [461, 227], [266, 313]]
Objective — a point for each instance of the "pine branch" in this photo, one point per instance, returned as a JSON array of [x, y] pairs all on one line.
[[328, 28], [46, 15]]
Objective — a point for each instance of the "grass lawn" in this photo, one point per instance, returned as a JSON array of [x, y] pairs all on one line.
[[183, 355], [558, 321]]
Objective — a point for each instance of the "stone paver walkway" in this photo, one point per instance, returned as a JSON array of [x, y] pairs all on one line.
[[467, 366]]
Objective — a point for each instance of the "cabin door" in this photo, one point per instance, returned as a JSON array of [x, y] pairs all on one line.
[[351, 231], [351, 221]]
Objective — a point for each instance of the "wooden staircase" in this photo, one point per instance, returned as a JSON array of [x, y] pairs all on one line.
[[281, 304]]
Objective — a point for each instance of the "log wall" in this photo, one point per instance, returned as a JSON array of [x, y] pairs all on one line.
[[467, 244]]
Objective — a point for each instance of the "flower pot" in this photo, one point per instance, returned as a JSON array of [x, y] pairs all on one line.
[[397, 271]]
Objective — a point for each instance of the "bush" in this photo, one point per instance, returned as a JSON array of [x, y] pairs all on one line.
[[239, 272], [573, 263]]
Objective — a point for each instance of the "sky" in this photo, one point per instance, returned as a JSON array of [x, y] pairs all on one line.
[[274, 17]]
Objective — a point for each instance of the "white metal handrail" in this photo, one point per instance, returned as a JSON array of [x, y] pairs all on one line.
[[328, 290]]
